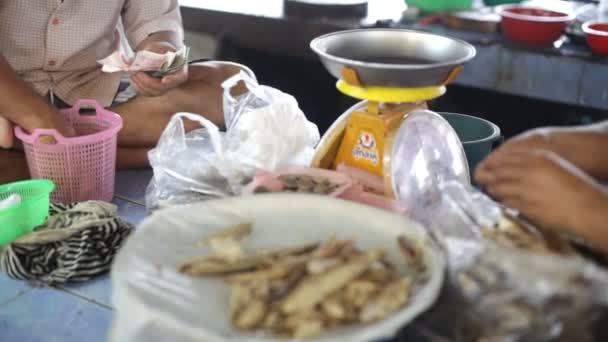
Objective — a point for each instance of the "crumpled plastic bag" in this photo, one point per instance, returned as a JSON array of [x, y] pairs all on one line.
[[499, 293], [265, 130]]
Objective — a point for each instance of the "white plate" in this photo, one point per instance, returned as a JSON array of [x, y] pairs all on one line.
[[155, 303]]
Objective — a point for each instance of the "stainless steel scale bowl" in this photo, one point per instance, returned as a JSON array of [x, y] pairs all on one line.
[[393, 57]]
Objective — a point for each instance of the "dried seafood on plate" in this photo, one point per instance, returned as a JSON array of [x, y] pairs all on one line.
[[301, 291], [301, 180], [294, 237], [514, 233]]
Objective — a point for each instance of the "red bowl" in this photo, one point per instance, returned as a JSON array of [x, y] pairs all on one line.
[[532, 25], [597, 36]]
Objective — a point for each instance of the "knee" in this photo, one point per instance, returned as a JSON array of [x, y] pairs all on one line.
[[217, 72], [228, 69]]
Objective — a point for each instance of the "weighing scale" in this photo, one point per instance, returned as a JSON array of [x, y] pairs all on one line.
[[391, 133]]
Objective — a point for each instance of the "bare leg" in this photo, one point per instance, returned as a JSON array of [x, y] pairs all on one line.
[[145, 118], [13, 166], [6, 133], [132, 157]]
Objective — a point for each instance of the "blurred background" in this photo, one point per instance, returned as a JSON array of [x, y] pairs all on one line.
[[513, 85]]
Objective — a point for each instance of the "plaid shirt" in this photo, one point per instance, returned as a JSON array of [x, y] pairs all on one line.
[[55, 44]]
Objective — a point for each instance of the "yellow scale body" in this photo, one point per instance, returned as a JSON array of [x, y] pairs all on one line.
[[366, 134], [363, 139]]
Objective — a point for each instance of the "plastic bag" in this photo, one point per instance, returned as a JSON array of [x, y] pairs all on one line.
[[265, 130], [333, 183], [503, 293], [344, 186]]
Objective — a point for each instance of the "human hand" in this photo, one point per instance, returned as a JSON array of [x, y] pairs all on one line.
[[48, 120], [147, 85], [542, 186], [535, 139]]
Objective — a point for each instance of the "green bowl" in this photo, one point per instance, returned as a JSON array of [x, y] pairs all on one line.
[[478, 136], [500, 2], [33, 210], [432, 6]]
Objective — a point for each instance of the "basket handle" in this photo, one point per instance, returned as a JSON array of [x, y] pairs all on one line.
[[37, 133], [75, 110]]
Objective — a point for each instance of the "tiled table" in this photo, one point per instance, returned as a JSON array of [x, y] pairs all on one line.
[[30, 312]]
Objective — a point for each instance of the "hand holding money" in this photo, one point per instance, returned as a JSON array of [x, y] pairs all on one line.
[[155, 70], [159, 58]]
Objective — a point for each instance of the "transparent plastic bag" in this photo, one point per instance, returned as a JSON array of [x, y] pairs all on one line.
[[503, 293], [265, 130]]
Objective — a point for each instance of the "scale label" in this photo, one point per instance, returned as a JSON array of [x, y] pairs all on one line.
[[366, 148]]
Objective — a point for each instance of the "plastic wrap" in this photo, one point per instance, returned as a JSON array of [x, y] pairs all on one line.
[[506, 293], [265, 130], [337, 184], [332, 183]]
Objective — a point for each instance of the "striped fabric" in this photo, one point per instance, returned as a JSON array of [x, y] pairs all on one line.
[[78, 242]]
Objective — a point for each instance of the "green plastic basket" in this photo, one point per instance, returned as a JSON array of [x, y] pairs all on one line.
[[31, 212]]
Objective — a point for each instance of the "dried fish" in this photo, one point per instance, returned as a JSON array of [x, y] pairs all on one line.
[[240, 295], [261, 190], [227, 249], [252, 315], [317, 266], [387, 302], [333, 309], [290, 181], [212, 265], [312, 290], [308, 329], [307, 184], [290, 282], [359, 292], [237, 232], [301, 291], [412, 253], [283, 252], [517, 235], [275, 272], [215, 264], [334, 248]]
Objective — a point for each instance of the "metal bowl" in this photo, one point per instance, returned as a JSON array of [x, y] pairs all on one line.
[[393, 57]]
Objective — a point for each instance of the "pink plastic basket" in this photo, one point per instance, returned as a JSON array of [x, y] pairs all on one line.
[[83, 167]]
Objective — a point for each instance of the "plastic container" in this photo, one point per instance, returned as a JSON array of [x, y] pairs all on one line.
[[597, 36], [431, 6], [31, 212], [500, 2], [82, 167], [532, 25], [478, 136]]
